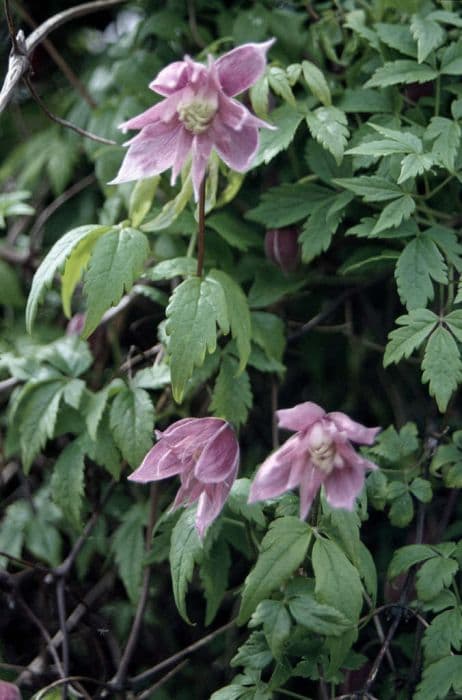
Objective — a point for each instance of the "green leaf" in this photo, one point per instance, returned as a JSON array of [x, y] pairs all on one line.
[[438, 679], [232, 395], [421, 489], [282, 550], [415, 328], [451, 60], [214, 570], [268, 333], [287, 204], [234, 230], [372, 188], [394, 213], [185, 551], [238, 503], [317, 83], [141, 199], [132, 420], [428, 34], [402, 510], [67, 482], [259, 97], [443, 635], [395, 446], [397, 37], [69, 354], [319, 228], [254, 653], [318, 618], [116, 262], [174, 267], [11, 293], [128, 549], [337, 580], [408, 556], [270, 285], [442, 366], [419, 264], [103, 450], [366, 100], [435, 575], [401, 73], [446, 135], [415, 164], [12, 529], [279, 83], [171, 211], [43, 539], [155, 377], [238, 313], [52, 263], [328, 125], [286, 119], [276, 622]]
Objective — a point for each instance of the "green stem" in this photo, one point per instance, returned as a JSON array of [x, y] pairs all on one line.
[[201, 230], [291, 694], [439, 187]]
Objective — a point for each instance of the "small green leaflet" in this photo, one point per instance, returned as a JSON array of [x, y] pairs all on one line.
[[141, 199], [318, 617], [443, 635], [442, 366], [414, 329], [371, 188], [282, 550], [185, 551], [132, 420], [234, 230], [446, 136], [276, 622], [438, 679], [401, 72], [337, 581], [116, 262], [287, 204], [232, 395], [286, 119], [171, 210], [419, 264], [428, 34], [397, 37], [317, 83], [434, 575], [214, 570], [67, 482], [174, 267], [319, 228], [195, 309], [394, 213], [259, 95], [254, 653], [129, 551], [408, 556], [279, 83], [328, 125], [53, 263]]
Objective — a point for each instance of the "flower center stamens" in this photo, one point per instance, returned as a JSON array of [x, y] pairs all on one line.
[[196, 116], [322, 449]]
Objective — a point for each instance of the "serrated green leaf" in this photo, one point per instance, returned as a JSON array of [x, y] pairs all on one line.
[[44, 540], [36, 412], [279, 83], [395, 446], [73, 392], [401, 510], [438, 679], [428, 34], [419, 264], [67, 482], [401, 72], [116, 262], [421, 489], [128, 549], [288, 203], [337, 580], [435, 575], [397, 37], [282, 550], [318, 618], [214, 570], [268, 333], [238, 503], [317, 232], [394, 213], [408, 556], [254, 653], [12, 529], [372, 188], [155, 377], [446, 136], [328, 125], [415, 164], [175, 267], [451, 59], [141, 199], [238, 313], [132, 420], [276, 623], [232, 395], [286, 119], [103, 449], [185, 551], [317, 83], [172, 210], [442, 366], [443, 635], [234, 230], [259, 96], [11, 292], [270, 285], [52, 263], [415, 328]]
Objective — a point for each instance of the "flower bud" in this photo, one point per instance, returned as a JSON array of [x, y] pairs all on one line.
[[281, 246], [8, 691]]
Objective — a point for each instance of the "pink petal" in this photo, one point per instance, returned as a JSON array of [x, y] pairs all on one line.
[[210, 505], [300, 417], [240, 68], [309, 486], [353, 431], [162, 112], [352, 458], [187, 493], [170, 79], [8, 691], [274, 475], [236, 148], [235, 115], [151, 152], [219, 458], [182, 149], [159, 463], [343, 486], [201, 149]]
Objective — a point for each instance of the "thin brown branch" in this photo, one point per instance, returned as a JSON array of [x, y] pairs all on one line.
[[146, 694], [43, 631]]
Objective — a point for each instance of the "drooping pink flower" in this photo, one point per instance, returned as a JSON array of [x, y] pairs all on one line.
[[204, 452], [320, 453], [8, 691], [197, 115]]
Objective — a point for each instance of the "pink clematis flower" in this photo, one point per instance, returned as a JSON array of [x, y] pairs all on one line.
[[197, 115], [204, 452], [320, 453], [8, 691]]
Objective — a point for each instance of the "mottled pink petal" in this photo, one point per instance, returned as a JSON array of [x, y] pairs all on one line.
[[170, 79], [235, 115], [150, 152], [356, 432], [187, 494], [183, 147], [162, 112], [197, 430], [210, 505], [201, 149], [160, 463], [300, 417], [343, 486], [309, 486], [240, 68], [219, 457], [274, 474], [350, 456], [236, 150]]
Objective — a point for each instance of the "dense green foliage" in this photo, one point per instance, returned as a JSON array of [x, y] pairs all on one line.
[[107, 332]]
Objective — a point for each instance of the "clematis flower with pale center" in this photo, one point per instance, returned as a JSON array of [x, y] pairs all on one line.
[[319, 454], [197, 115], [204, 452]]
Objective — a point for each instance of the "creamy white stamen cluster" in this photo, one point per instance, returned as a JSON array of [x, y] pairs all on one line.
[[196, 116]]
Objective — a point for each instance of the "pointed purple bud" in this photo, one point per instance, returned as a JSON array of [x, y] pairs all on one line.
[[319, 454], [204, 452], [282, 248]]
